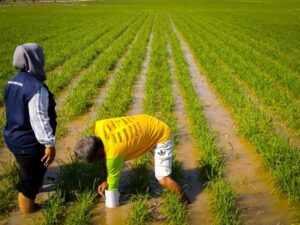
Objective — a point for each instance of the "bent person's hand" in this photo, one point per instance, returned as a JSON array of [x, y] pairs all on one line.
[[101, 188], [49, 156]]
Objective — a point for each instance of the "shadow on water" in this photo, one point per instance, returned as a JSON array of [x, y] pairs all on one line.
[[107, 216]]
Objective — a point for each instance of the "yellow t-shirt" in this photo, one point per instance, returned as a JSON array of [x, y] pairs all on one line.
[[131, 136], [126, 138]]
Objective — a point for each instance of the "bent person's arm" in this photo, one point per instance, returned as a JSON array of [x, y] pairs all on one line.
[[114, 169]]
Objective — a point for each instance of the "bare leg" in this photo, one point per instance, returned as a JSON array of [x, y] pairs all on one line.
[[26, 205], [172, 185]]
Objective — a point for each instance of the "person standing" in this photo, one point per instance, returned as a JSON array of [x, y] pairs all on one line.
[[29, 132]]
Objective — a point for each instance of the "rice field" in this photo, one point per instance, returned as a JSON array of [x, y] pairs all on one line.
[[224, 75]]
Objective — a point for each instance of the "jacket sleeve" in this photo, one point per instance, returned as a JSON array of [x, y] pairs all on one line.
[[39, 119], [114, 169]]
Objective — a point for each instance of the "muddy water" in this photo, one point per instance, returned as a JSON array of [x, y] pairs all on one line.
[[103, 215], [119, 215], [16, 218], [243, 167], [188, 155]]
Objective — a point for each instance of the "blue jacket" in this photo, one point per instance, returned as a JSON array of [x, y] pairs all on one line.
[[18, 133]]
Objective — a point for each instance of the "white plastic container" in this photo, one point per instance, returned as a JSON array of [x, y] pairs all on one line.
[[112, 198]]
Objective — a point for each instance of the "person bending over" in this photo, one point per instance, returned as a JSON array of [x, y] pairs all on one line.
[[29, 132], [125, 138]]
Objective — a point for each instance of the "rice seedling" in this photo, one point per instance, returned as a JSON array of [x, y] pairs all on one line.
[[140, 175], [8, 184], [7, 197], [139, 213], [82, 210], [53, 210], [224, 203], [11, 172], [173, 209], [87, 177]]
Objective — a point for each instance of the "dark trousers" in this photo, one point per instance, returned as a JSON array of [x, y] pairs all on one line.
[[32, 172]]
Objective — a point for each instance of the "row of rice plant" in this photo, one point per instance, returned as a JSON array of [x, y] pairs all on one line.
[[266, 61], [278, 42], [121, 91], [68, 48], [82, 96], [253, 123], [23, 33], [125, 78], [66, 42], [61, 76], [63, 22], [119, 97], [172, 208], [159, 101], [85, 192], [223, 200], [256, 71], [52, 34]]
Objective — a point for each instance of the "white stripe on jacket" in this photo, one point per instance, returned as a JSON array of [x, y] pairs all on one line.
[[39, 119]]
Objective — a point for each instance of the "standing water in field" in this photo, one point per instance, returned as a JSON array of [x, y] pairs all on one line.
[[243, 167], [188, 155]]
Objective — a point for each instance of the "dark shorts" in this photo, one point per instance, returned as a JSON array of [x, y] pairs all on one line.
[[32, 172]]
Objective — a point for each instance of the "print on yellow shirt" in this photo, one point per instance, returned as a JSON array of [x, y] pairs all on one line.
[[131, 136]]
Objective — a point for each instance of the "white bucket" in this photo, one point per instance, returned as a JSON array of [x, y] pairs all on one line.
[[112, 198]]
